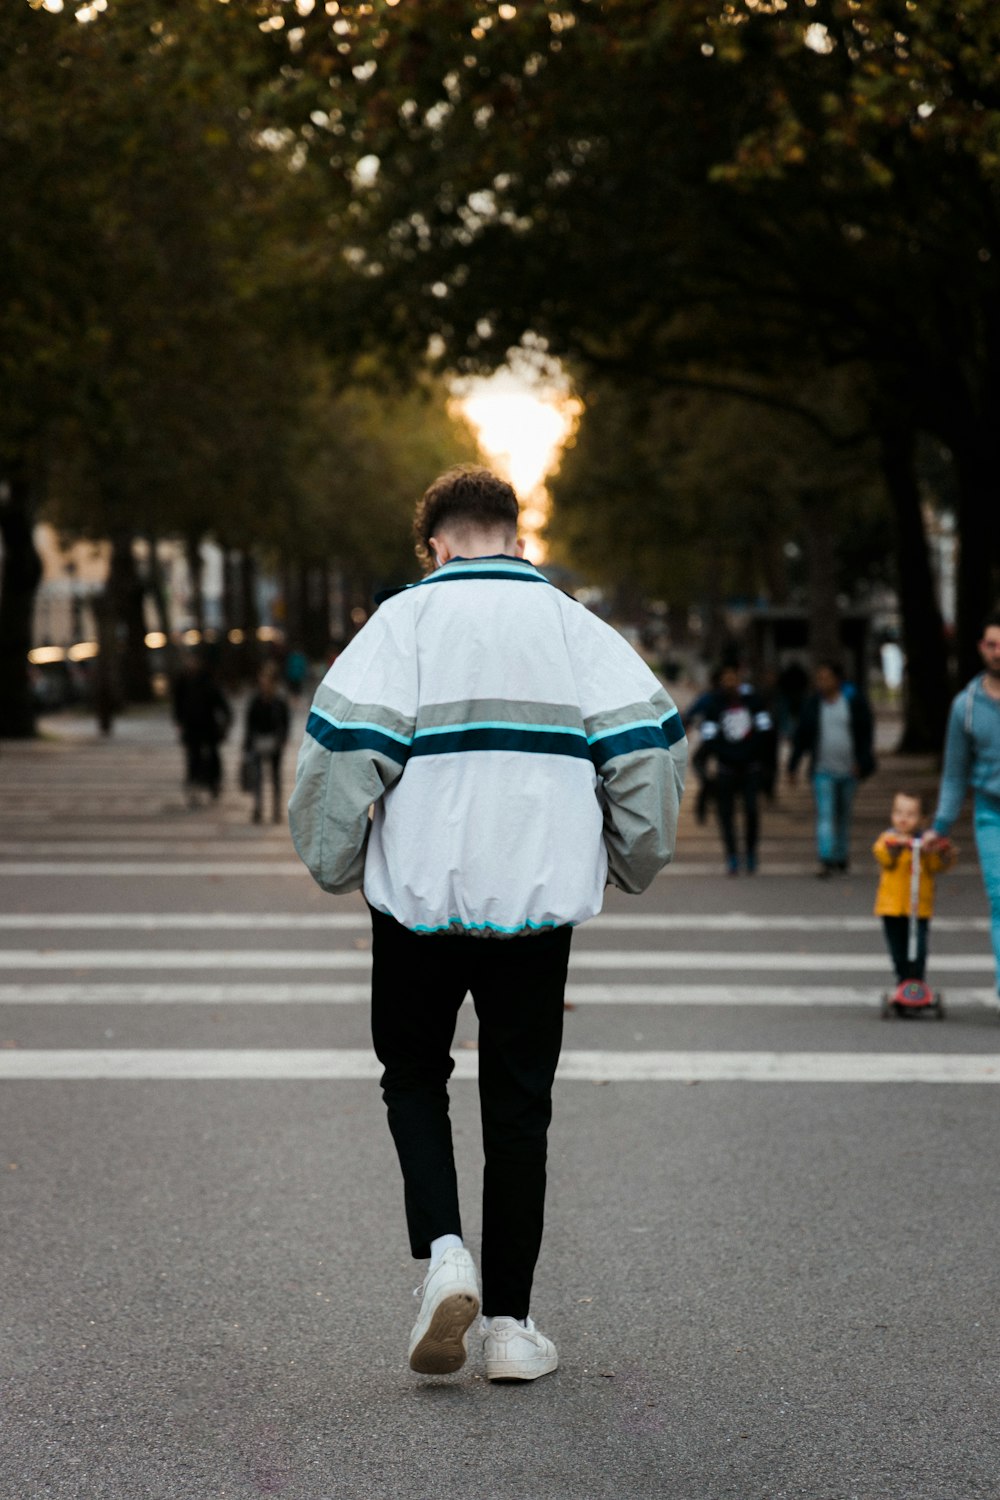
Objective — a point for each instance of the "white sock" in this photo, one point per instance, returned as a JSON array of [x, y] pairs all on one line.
[[442, 1243], [488, 1322]]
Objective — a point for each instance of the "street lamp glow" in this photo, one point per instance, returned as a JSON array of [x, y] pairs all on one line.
[[522, 432]]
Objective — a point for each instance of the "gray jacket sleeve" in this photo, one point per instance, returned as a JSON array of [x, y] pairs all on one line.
[[641, 762], [639, 751], [356, 744]]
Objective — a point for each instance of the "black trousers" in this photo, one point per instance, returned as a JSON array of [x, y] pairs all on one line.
[[730, 785], [204, 765], [897, 938], [517, 985]]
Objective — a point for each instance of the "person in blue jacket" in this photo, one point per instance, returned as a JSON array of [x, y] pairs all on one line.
[[836, 732], [972, 758]]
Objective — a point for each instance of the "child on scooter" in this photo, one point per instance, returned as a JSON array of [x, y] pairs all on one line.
[[908, 880]]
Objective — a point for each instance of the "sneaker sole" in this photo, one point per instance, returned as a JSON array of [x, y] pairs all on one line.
[[442, 1349], [510, 1372]]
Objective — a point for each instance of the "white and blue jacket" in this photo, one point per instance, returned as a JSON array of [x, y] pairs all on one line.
[[516, 752]]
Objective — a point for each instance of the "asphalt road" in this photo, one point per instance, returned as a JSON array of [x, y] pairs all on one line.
[[769, 1262]]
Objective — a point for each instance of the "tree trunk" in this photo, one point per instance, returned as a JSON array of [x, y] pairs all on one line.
[[316, 613], [19, 580], [129, 599], [108, 695], [249, 614], [112, 609], [192, 551], [291, 580], [231, 602], [820, 539], [926, 686], [161, 604], [976, 461]]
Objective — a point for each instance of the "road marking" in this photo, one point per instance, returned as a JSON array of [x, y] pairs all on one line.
[[185, 994], [188, 921], [99, 869], [359, 921], [580, 1067], [150, 848], [620, 960], [332, 993]]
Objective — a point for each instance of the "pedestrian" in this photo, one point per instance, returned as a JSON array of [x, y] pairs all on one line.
[[737, 739], [693, 715], [203, 716], [265, 734], [296, 671], [972, 759], [790, 691], [836, 732], [896, 850], [518, 754]]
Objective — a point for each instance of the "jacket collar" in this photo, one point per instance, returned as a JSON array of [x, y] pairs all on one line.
[[492, 565]]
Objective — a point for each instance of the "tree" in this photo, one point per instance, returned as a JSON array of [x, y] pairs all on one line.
[[738, 197], [149, 258], [700, 499]]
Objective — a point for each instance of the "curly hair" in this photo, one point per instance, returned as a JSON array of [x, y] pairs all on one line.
[[468, 494]]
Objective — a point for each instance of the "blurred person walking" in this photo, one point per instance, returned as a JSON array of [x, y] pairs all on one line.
[[737, 739], [693, 715], [202, 713], [836, 732], [265, 734], [518, 755], [972, 759], [296, 670]]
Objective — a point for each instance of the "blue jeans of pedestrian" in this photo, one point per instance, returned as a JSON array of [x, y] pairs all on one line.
[[834, 799], [986, 822]]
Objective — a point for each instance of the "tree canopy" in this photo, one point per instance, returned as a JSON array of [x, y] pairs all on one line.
[[754, 200]]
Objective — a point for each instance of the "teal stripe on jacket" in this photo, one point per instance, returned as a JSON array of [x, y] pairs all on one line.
[[669, 731], [343, 738], [346, 737], [545, 741]]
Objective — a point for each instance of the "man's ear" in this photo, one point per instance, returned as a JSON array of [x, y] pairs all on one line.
[[440, 550], [519, 547]]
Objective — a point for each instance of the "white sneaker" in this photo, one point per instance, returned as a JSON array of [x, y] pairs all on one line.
[[449, 1302], [516, 1353]]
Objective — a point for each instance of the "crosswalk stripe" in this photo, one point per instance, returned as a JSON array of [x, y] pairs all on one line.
[[95, 869], [35, 849], [622, 961], [575, 1066], [100, 868], [359, 921], [742, 997]]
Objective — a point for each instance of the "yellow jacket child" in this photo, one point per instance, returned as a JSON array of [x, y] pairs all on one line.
[[896, 858], [894, 852]]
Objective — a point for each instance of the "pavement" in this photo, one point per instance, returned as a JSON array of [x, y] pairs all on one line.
[[772, 1220]]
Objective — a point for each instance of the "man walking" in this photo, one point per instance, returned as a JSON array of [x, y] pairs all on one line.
[[517, 755], [837, 733], [972, 758], [737, 735]]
